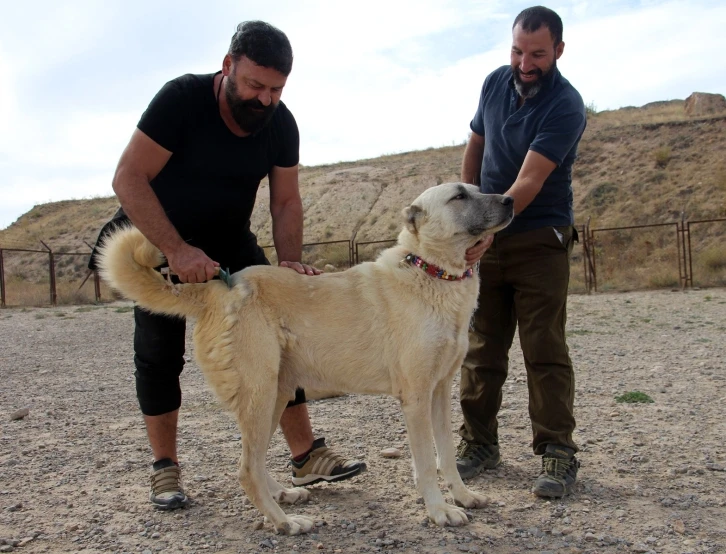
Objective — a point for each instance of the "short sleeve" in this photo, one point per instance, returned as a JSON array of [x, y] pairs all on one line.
[[164, 119], [559, 134], [477, 124], [288, 154]]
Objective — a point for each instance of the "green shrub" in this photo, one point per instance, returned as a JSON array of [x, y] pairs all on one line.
[[634, 397], [662, 156]]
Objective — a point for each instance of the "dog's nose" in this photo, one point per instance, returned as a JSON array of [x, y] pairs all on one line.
[[507, 200]]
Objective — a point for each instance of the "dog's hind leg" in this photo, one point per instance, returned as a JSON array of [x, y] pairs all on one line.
[[417, 412], [280, 493], [255, 419], [446, 456]]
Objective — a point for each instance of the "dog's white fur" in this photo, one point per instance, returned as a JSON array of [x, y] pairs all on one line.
[[383, 327]]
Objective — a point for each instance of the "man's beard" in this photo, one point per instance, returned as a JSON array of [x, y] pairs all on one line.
[[251, 115], [530, 90]]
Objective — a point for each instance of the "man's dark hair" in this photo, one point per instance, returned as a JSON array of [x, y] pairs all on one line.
[[263, 44], [533, 18]]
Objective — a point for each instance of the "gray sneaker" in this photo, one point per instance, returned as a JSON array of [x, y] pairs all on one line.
[[559, 472], [473, 458], [167, 492]]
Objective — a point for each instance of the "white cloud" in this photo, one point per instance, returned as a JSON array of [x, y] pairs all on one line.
[[8, 100], [369, 78], [646, 55]]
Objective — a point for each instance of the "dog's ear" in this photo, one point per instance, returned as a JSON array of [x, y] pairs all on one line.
[[413, 215]]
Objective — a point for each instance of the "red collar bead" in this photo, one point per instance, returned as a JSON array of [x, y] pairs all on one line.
[[436, 271]]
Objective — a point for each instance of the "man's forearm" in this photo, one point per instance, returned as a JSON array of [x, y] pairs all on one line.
[[470, 172], [523, 191], [472, 161], [532, 175], [145, 211], [287, 232]]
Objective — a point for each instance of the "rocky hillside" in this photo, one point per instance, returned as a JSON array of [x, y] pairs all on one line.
[[636, 166]]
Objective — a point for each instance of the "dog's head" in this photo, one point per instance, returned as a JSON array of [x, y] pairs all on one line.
[[447, 219]]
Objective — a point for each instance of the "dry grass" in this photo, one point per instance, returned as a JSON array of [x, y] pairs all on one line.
[[633, 259], [636, 166], [23, 293], [709, 267]]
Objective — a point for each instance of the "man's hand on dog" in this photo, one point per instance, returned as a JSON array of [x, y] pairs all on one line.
[[191, 264], [474, 254], [301, 268]]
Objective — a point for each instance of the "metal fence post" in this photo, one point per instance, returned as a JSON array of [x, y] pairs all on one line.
[[685, 268], [2, 280], [593, 268], [587, 257], [51, 267]]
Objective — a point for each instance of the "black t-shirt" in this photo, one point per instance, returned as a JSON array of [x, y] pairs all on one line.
[[208, 186]]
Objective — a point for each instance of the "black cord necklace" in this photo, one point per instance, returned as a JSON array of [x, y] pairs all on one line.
[[219, 88]]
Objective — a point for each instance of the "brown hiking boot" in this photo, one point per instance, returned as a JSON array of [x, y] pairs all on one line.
[[473, 458], [559, 472]]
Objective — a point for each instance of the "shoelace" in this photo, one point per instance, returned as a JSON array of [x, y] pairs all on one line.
[[328, 454], [556, 467], [166, 480], [322, 453], [468, 450]]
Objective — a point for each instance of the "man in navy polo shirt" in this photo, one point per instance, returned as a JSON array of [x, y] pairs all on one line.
[[523, 143]]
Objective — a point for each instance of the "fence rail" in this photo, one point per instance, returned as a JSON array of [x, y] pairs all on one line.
[[53, 290], [592, 241], [683, 251]]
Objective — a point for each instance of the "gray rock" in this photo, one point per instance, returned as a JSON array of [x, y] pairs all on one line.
[[19, 414]]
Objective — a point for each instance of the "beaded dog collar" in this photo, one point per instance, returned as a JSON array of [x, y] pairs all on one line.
[[436, 271]]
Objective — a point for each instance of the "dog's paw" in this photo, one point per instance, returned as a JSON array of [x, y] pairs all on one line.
[[291, 496], [295, 525], [471, 499], [444, 515]]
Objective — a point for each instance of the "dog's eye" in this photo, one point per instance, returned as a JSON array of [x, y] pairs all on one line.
[[460, 196]]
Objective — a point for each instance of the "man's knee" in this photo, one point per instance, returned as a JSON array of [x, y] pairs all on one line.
[[158, 389], [159, 359], [299, 398]]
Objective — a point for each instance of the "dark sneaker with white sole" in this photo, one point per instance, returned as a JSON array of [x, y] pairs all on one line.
[[559, 472], [473, 458], [167, 492], [322, 464]]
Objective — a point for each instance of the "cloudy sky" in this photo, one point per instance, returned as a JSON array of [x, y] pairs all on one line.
[[369, 78]]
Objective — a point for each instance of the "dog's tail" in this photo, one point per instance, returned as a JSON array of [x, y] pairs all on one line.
[[126, 261]]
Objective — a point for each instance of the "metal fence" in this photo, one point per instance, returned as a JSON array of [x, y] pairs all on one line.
[[680, 254], [53, 259], [654, 256]]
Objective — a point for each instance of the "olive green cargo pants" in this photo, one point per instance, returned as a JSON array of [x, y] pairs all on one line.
[[524, 280]]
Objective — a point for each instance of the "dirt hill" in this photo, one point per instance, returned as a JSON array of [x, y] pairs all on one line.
[[636, 165]]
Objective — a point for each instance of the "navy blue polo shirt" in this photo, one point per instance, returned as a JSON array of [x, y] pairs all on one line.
[[551, 123]]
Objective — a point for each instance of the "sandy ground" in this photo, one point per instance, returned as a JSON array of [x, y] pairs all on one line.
[[74, 471]]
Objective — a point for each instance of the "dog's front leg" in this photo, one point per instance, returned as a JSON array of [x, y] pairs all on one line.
[[280, 494], [417, 412], [443, 436]]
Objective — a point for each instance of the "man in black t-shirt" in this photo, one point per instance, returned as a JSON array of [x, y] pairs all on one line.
[[188, 180]]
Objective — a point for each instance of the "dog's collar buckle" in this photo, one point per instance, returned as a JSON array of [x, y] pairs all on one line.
[[436, 271]]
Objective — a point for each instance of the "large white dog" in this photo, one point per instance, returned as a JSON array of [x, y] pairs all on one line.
[[396, 326]]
